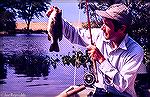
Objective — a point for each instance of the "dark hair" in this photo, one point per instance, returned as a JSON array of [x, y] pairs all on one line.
[[118, 25]]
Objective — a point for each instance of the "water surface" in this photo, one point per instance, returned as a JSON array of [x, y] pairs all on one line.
[[24, 78]]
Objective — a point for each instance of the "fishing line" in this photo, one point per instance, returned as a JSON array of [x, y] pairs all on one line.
[[75, 69], [75, 72]]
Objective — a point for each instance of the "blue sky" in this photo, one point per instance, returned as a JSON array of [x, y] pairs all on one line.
[[70, 10]]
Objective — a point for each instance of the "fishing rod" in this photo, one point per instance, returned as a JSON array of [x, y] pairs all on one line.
[[89, 77]]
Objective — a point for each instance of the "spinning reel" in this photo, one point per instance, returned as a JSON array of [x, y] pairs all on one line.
[[89, 79]]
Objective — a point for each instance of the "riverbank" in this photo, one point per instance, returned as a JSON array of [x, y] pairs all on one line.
[[22, 31], [3, 33], [41, 25], [35, 28]]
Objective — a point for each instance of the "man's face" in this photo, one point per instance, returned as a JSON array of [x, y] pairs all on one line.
[[108, 28]]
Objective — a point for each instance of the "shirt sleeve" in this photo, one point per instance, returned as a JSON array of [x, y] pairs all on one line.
[[74, 35], [121, 79], [78, 35]]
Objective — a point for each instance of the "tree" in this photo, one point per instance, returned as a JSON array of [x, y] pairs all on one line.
[[27, 9], [7, 19]]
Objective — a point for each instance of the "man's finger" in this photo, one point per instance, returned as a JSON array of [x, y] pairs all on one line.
[[91, 53], [89, 47], [49, 11]]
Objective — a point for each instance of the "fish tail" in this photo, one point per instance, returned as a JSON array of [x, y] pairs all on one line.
[[54, 47]]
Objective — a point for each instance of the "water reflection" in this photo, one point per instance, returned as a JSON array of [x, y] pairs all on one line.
[[28, 63], [32, 65], [3, 70]]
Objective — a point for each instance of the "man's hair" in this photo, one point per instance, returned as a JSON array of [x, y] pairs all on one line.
[[118, 25]]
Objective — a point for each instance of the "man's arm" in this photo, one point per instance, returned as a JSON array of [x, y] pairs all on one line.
[[79, 36], [74, 35]]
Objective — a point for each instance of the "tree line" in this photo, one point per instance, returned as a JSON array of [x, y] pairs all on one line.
[[24, 9]]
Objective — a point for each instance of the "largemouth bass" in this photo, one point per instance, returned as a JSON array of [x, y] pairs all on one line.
[[54, 27]]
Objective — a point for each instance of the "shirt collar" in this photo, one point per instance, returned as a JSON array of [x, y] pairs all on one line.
[[123, 43]]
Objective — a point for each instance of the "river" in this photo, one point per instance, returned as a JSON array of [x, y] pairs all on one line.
[[25, 80]]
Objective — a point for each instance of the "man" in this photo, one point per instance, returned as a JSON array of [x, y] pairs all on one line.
[[117, 55]]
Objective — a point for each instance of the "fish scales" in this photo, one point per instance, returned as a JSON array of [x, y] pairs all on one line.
[[54, 28]]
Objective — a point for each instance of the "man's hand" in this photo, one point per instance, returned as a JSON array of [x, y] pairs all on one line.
[[62, 95], [95, 54], [73, 90]]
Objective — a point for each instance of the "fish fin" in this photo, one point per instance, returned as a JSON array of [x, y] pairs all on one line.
[[49, 37], [60, 34], [54, 47], [60, 38]]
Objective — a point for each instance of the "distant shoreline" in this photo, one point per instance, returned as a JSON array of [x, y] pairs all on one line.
[[35, 28], [40, 25], [22, 31]]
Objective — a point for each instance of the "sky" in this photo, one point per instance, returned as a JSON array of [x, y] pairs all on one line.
[[70, 11]]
